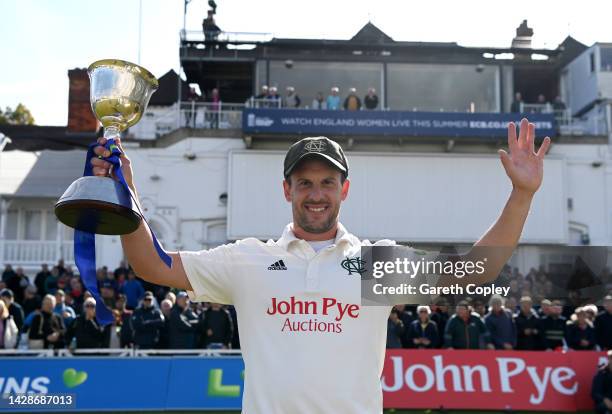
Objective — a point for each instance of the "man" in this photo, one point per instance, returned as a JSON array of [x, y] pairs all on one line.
[[133, 290], [288, 293], [292, 100], [63, 310], [216, 328], [553, 327], [517, 104], [396, 330], [126, 337], [182, 325], [333, 99], [14, 308], [603, 325], [440, 316], [147, 322], [465, 330], [371, 99], [352, 101], [17, 283], [423, 332], [500, 324], [527, 323], [601, 390], [47, 327], [41, 278], [87, 332], [210, 28]]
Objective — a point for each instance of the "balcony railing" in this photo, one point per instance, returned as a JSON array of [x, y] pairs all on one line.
[[197, 36], [35, 252]]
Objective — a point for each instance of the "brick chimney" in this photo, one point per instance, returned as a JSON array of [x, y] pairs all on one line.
[[80, 116]]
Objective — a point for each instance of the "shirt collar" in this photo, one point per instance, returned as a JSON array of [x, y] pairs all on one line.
[[288, 237]]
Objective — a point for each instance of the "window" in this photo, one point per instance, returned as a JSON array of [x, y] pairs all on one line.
[[12, 217], [51, 226], [605, 55], [592, 61], [33, 225]]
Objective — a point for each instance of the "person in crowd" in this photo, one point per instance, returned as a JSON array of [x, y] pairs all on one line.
[[423, 332], [274, 99], [370, 101], [63, 310], [545, 308], [41, 279], [133, 290], [126, 335], [47, 329], [395, 330], [9, 333], [517, 104], [580, 334], [440, 316], [76, 294], [51, 281], [479, 307], [171, 297], [319, 102], [31, 300], [164, 334], [17, 283], [107, 293], [553, 327], [236, 336], [123, 268], [7, 273], [601, 389], [407, 317], [352, 101], [263, 94], [603, 324], [545, 105], [591, 312], [87, 332], [333, 99], [183, 324], [527, 323], [147, 322], [500, 324], [14, 308], [292, 100], [210, 28], [559, 105], [465, 330], [214, 106], [260, 100], [215, 328]]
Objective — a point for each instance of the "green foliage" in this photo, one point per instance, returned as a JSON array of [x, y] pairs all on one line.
[[18, 116]]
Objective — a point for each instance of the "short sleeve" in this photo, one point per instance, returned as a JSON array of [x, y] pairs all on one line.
[[209, 273]]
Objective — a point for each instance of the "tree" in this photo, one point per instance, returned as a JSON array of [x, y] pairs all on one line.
[[19, 116]]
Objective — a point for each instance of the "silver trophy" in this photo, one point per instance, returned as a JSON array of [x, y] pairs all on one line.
[[119, 94]]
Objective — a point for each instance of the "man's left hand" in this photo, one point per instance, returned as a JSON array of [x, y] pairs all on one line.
[[523, 165]]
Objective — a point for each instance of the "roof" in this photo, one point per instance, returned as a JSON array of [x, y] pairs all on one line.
[[371, 34], [46, 174], [167, 93], [37, 138]]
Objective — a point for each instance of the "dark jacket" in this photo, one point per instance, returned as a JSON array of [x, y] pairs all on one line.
[[603, 329], [574, 334], [602, 388], [552, 330], [16, 311], [371, 102], [523, 322], [50, 322], [395, 332], [182, 328], [88, 333], [460, 334], [430, 332], [501, 328], [126, 336], [441, 319], [147, 322], [220, 323]]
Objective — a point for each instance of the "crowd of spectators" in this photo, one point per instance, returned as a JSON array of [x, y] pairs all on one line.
[[270, 98], [542, 105], [52, 310]]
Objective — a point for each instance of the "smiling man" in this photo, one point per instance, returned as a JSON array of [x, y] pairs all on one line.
[[307, 343]]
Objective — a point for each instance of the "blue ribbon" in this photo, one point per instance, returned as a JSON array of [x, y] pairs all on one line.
[[85, 242]]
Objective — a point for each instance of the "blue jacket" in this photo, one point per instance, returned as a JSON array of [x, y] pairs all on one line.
[[133, 291], [430, 332], [501, 327]]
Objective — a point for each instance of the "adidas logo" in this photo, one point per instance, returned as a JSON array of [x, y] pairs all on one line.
[[280, 265]]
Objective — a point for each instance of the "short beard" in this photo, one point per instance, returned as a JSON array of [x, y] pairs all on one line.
[[302, 222]]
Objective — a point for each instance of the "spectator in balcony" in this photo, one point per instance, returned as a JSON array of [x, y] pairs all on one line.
[[527, 325], [603, 325], [31, 300], [47, 330], [274, 99], [14, 308], [7, 273], [263, 92], [423, 332], [9, 333], [41, 278], [580, 332], [147, 322], [352, 101], [500, 324], [126, 335], [465, 330], [553, 327], [63, 310], [210, 28], [87, 332], [395, 330], [190, 117], [214, 106], [292, 100], [319, 102], [260, 100], [601, 389], [17, 283], [371, 99], [51, 281], [215, 328], [440, 316], [133, 290], [517, 105], [559, 105], [333, 99], [543, 105], [183, 324]]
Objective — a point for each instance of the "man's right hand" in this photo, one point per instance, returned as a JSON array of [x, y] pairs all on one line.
[[102, 168]]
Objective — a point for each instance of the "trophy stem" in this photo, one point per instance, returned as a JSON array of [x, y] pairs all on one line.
[[111, 132]]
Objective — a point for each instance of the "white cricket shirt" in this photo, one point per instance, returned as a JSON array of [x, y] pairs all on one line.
[[307, 343]]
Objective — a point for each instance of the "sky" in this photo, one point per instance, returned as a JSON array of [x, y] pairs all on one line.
[[43, 39]]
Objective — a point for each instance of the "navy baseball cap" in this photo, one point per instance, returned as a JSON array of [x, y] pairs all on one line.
[[321, 147]]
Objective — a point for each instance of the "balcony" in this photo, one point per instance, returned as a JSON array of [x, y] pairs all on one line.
[[31, 254]]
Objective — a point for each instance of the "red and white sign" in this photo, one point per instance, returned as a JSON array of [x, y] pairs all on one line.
[[457, 379]]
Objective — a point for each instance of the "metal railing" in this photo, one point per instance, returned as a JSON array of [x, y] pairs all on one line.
[[19, 252], [225, 37], [210, 115]]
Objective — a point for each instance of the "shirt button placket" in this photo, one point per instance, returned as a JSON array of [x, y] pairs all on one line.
[[312, 275]]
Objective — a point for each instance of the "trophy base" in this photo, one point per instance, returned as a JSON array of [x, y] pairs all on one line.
[[97, 216]]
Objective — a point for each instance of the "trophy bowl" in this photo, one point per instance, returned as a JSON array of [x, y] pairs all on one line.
[[119, 94]]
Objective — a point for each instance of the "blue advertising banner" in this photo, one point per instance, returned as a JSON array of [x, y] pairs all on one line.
[[124, 384], [391, 123]]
